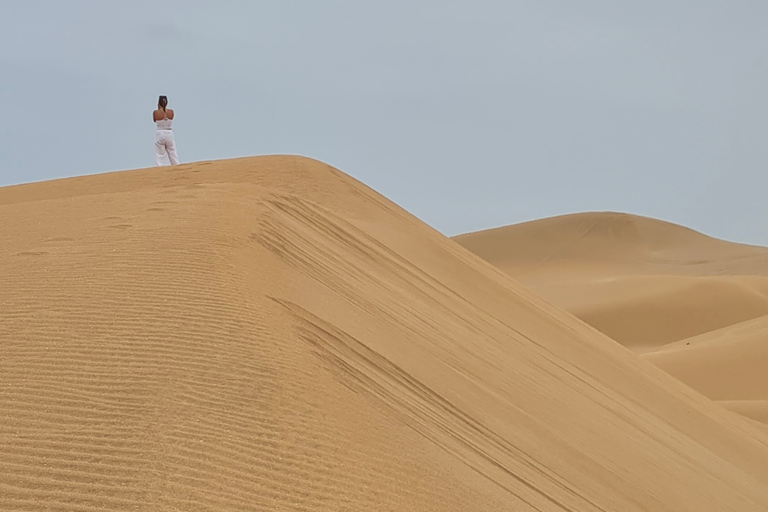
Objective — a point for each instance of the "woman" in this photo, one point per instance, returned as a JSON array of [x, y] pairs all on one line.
[[165, 145]]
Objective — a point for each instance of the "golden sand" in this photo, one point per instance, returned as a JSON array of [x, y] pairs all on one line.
[[691, 304], [269, 334]]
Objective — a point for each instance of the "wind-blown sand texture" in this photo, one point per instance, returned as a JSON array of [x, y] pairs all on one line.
[[694, 305], [269, 334]]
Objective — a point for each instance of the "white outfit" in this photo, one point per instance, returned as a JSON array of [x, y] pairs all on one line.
[[165, 145]]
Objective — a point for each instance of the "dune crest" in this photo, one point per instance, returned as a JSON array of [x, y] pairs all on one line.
[[727, 365], [643, 282], [695, 305], [269, 334], [611, 243]]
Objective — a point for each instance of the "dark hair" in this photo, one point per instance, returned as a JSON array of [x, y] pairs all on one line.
[[162, 102]]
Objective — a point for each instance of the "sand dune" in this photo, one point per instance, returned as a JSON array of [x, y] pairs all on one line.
[[696, 305], [611, 244], [728, 365], [754, 409], [269, 334], [646, 312], [643, 282]]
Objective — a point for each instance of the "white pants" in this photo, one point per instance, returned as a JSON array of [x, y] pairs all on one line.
[[165, 148]]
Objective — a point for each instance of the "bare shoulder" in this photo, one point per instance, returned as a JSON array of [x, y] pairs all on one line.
[[157, 115], [169, 112]]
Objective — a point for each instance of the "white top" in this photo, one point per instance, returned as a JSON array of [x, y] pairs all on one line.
[[164, 123]]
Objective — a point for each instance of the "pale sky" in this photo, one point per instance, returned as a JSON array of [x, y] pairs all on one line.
[[469, 114]]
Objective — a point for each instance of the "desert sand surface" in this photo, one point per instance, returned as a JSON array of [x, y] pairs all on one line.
[[727, 365], [694, 305], [644, 282], [269, 334]]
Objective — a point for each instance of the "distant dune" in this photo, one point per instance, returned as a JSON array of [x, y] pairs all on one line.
[[644, 312], [269, 334], [695, 304], [613, 243], [728, 365]]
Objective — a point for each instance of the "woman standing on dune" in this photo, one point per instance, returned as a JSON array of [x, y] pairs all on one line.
[[165, 145]]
